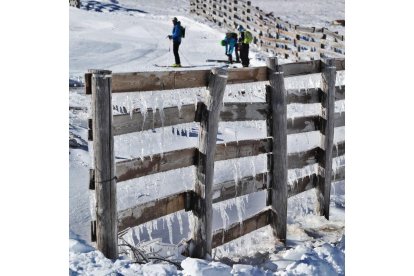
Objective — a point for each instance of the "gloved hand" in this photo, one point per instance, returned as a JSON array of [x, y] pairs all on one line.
[[170, 36]]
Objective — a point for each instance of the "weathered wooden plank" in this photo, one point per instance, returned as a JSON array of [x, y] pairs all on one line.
[[88, 84], [192, 78], [339, 121], [104, 159], [340, 64], [302, 124], [337, 150], [251, 74], [328, 86], [244, 111], [129, 169], [237, 229], [334, 35], [340, 93], [312, 95], [302, 184], [150, 210], [164, 80], [126, 123], [246, 185], [307, 43], [278, 184], [202, 230], [338, 174], [302, 159], [142, 81], [243, 148], [309, 182], [304, 96], [269, 132], [301, 68]]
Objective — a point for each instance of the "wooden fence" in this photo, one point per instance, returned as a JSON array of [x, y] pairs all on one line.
[[270, 33], [106, 173]]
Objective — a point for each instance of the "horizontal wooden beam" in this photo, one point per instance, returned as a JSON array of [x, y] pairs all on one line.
[[302, 124], [165, 80], [244, 111], [125, 123], [236, 230], [246, 185], [312, 156], [308, 96], [129, 169], [303, 184], [306, 183], [151, 210], [157, 208], [302, 159], [243, 148], [238, 111]]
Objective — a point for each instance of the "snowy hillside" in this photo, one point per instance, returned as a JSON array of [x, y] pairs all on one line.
[[130, 35], [315, 13]]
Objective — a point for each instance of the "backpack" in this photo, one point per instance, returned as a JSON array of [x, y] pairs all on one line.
[[182, 30], [248, 37]]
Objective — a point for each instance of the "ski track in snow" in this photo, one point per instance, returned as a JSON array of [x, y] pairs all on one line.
[[122, 41]]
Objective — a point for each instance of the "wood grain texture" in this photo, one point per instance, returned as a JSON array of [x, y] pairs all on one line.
[[104, 159], [137, 167], [237, 229], [328, 102], [150, 210], [203, 212], [279, 169]]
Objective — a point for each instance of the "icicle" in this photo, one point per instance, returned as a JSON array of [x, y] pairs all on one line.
[[179, 105], [180, 222], [235, 172], [253, 168], [241, 209], [168, 220], [149, 227], [223, 214], [137, 234]]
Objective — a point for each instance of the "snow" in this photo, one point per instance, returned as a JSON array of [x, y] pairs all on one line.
[[129, 36], [315, 13]]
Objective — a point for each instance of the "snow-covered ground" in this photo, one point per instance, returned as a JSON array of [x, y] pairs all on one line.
[[131, 36]]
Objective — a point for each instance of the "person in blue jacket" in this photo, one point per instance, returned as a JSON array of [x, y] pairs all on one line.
[[230, 43], [176, 38]]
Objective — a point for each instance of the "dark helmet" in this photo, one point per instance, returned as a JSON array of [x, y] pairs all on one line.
[[175, 20]]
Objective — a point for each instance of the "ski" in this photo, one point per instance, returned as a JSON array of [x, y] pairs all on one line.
[[217, 60], [183, 66]]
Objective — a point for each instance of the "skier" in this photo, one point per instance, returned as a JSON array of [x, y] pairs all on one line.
[[176, 38], [244, 40], [230, 43]]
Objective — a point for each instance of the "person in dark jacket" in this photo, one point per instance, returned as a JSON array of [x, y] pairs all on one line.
[[244, 47], [176, 38]]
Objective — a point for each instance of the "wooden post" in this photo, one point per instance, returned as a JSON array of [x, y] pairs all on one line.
[[328, 125], [278, 184], [203, 209], [105, 183]]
